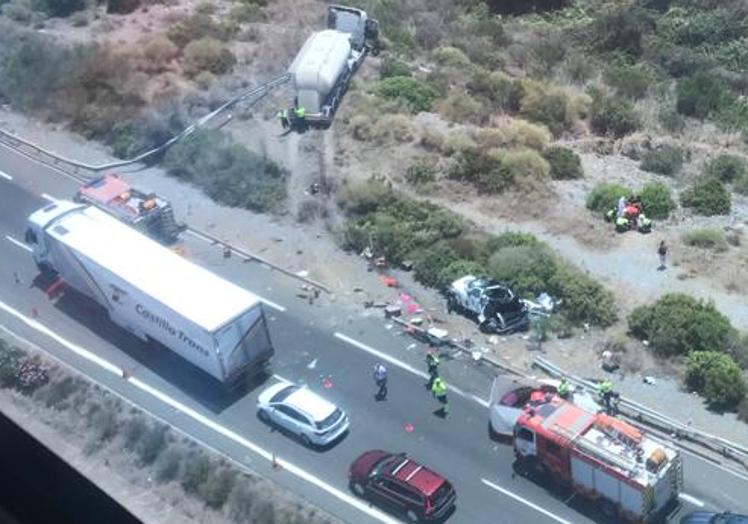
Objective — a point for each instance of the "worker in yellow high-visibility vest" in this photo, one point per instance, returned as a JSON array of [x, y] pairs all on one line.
[[439, 389]]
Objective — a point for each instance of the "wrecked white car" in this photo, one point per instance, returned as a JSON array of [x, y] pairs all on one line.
[[493, 304]]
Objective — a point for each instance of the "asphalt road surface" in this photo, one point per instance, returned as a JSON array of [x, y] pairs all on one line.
[[330, 346]]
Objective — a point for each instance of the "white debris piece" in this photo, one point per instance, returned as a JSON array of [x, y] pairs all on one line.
[[303, 273], [650, 380], [312, 364], [493, 340]]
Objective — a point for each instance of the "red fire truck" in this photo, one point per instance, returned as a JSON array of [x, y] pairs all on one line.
[[631, 475]]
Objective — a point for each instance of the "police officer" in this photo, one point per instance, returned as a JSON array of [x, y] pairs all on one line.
[[380, 379], [564, 388], [283, 116], [439, 389], [605, 390], [432, 361]]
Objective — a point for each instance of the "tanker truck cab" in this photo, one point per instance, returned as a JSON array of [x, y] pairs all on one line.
[[35, 235], [363, 31]]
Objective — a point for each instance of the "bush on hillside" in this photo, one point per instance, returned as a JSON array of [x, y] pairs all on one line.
[[527, 269], [122, 7], [700, 95], [430, 261], [621, 29], [615, 116], [500, 89], [671, 120], [11, 359], [547, 105], [227, 172], [716, 377], [195, 472], [216, 488], [665, 160], [726, 168], [741, 185], [463, 108], [517, 133], [631, 81], [459, 268], [415, 94], [526, 169], [706, 238], [707, 198], [207, 54], [59, 8], [656, 200], [393, 66], [678, 324], [585, 300], [482, 169], [420, 173], [605, 196], [565, 163], [195, 27], [451, 57]]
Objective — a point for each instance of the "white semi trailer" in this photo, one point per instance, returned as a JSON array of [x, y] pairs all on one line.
[[151, 291], [324, 67]]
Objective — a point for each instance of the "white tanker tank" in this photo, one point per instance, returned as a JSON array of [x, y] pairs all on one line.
[[323, 69]]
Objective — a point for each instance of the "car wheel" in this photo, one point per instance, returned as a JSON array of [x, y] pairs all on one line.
[[358, 489], [264, 416], [412, 516], [305, 440]]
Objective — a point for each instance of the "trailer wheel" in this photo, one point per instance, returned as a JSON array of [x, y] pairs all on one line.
[[608, 509]]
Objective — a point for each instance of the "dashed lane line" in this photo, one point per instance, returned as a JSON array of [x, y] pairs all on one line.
[[18, 243], [524, 501], [407, 367], [52, 199], [690, 498], [203, 420], [5, 175]]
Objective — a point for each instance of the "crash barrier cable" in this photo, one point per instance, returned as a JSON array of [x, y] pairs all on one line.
[[252, 96], [640, 413]]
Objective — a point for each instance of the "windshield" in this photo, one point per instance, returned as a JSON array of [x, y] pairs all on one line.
[[386, 461], [330, 420], [284, 393]]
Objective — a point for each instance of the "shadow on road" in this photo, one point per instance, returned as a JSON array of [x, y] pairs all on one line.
[[191, 380]]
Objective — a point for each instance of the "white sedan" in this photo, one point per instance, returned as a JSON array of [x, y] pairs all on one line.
[[302, 412]]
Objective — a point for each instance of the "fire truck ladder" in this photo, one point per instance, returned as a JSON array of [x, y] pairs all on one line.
[[603, 455]]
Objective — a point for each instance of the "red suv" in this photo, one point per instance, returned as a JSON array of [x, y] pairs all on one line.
[[400, 482]]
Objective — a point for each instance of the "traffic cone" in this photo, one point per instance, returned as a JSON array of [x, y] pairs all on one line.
[[276, 466]]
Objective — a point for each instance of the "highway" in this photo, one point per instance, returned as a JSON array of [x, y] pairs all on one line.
[[329, 345]]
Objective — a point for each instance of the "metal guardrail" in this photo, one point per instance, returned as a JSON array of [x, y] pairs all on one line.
[[254, 95], [652, 418]]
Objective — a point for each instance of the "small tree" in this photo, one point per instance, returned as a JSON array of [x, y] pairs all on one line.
[[614, 115], [716, 377], [707, 198], [700, 95], [678, 324], [207, 54], [604, 197], [415, 94]]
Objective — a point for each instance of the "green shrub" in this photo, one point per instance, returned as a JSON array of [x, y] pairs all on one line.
[[17, 12], [195, 472], [195, 27], [430, 262], [665, 160], [57, 392], [133, 429], [59, 8], [104, 424], [216, 488], [460, 268], [716, 377], [463, 108], [621, 29], [656, 200], [565, 163], [525, 169], [706, 238], [726, 168], [585, 300], [364, 197], [11, 359], [741, 185], [241, 502], [527, 269], [392, 66], [122, 7], [551, 106], [415, 94], [167, 464], [605, 196], [228, 172], [671, 120], [700, 95], [631, 81], [207, 54], [707, 198], [614, 115], [678, 324], [151, 443], [247, 14], [500, 89], [451, 57], [420, 173], [484, 170]]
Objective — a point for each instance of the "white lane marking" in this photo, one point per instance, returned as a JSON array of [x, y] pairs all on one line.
[[41, 328], [205, 421], [524, 501], [18, 243], [278, 377], [45, 196], [689, 498], [5, 175], [406, 367]]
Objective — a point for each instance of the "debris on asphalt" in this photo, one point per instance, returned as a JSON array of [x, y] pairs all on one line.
[[392, 310], [303, 273], [416, 321], [493, 340], [407, 265], [650, 380], [388, 281], [312, 364]]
